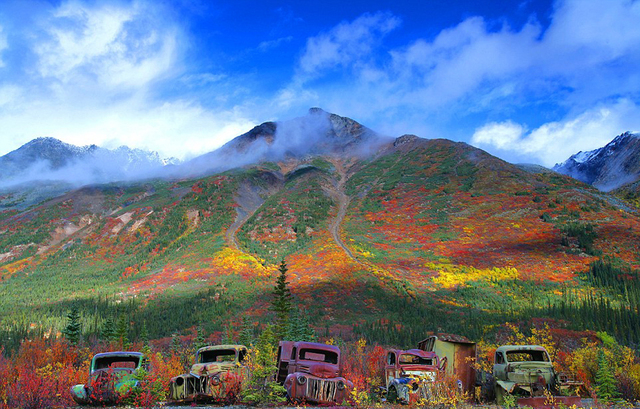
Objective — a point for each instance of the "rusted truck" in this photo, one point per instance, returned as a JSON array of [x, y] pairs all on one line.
[[527, 373], [410, 375], [111, 377], [310, 372], [216, 376]]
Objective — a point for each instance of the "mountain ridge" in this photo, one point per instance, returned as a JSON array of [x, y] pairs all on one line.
[[607, 168]]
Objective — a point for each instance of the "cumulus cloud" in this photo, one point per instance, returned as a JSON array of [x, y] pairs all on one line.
[[555, 141], [345, 44], [98, 73], [580, 62], [117, 45]]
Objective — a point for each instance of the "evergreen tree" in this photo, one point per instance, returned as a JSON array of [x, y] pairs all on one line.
[[122, 330], [281, 303], [176, 345], [200, 340], [144, 337], [247, 334], [298, 328], [108, 330], [261, 387], [73, 329], [228, 335], [605, 380]]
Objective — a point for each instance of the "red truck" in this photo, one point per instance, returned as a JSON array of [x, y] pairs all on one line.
[[310, 372]]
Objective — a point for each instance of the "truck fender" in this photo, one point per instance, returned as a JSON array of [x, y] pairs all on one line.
[[506, 385]]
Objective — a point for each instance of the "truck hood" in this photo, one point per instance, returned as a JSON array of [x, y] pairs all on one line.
[[319, 369], [212, 367]]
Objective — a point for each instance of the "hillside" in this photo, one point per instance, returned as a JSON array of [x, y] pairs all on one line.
[[409, 236]]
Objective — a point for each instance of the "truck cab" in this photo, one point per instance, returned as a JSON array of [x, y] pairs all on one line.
[[216, 375], [310, 372], [111, 376], [410, 374]]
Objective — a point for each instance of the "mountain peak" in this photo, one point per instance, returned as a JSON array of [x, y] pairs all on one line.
[[607, 168]]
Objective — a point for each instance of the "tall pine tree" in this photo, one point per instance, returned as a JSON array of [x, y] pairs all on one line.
[[605, 380], [281, 303], [73, 329]]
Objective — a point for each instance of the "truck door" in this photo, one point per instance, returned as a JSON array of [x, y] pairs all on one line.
[[390, 368]]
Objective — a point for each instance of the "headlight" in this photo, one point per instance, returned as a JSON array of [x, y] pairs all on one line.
[[214, 380], [340, 385], [302, 380]]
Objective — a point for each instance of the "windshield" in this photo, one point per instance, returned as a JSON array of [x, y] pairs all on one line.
[[410, 359], [527, 356], [217, 355], [319, 355], [113, 362]]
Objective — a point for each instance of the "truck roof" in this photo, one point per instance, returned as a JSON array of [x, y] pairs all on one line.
[[511, 348], [312, 345], [221, 347], [418, 352]]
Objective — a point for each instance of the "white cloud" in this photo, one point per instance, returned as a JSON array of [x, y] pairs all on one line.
[[554, 142], [117, 45], [98, 76], [503, 135], [584, 59], [345, 44]]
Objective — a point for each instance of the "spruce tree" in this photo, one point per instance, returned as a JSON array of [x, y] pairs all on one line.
[[228, 334], [247, 333], [605, 380], [200, 340], [73, 329], [281, 303], [175, 344], [144, 337], [108, 330], [122, 330]]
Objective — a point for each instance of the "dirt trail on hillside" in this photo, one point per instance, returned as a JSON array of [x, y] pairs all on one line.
[[249, 200], [338, 193]]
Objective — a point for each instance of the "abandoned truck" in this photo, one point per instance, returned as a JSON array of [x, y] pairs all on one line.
[[111, 377], [410, 375], [526, 371], [310, 372], [216, 376]]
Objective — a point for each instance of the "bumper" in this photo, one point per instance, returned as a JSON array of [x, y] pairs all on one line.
[[302, 387]]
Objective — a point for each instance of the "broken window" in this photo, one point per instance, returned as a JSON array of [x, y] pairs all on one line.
[[217, 355], [410, 359], [526, 356], [319, 355]]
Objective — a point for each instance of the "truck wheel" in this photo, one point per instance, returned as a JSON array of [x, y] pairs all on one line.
[[392, 395]]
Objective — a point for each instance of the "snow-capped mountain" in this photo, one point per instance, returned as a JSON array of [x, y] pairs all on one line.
[[609, 167], [49, 159]]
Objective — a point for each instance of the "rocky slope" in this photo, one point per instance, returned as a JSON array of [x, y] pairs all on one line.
[[609, 167]]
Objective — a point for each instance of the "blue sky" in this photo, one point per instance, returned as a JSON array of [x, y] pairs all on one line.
[[529, 81]]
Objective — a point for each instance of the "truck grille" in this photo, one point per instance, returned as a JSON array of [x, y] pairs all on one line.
[[321, 390]]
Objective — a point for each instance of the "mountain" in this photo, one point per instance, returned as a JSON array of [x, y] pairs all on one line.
[[49, 159], [384, 238], [609, 167], [316, 133]]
